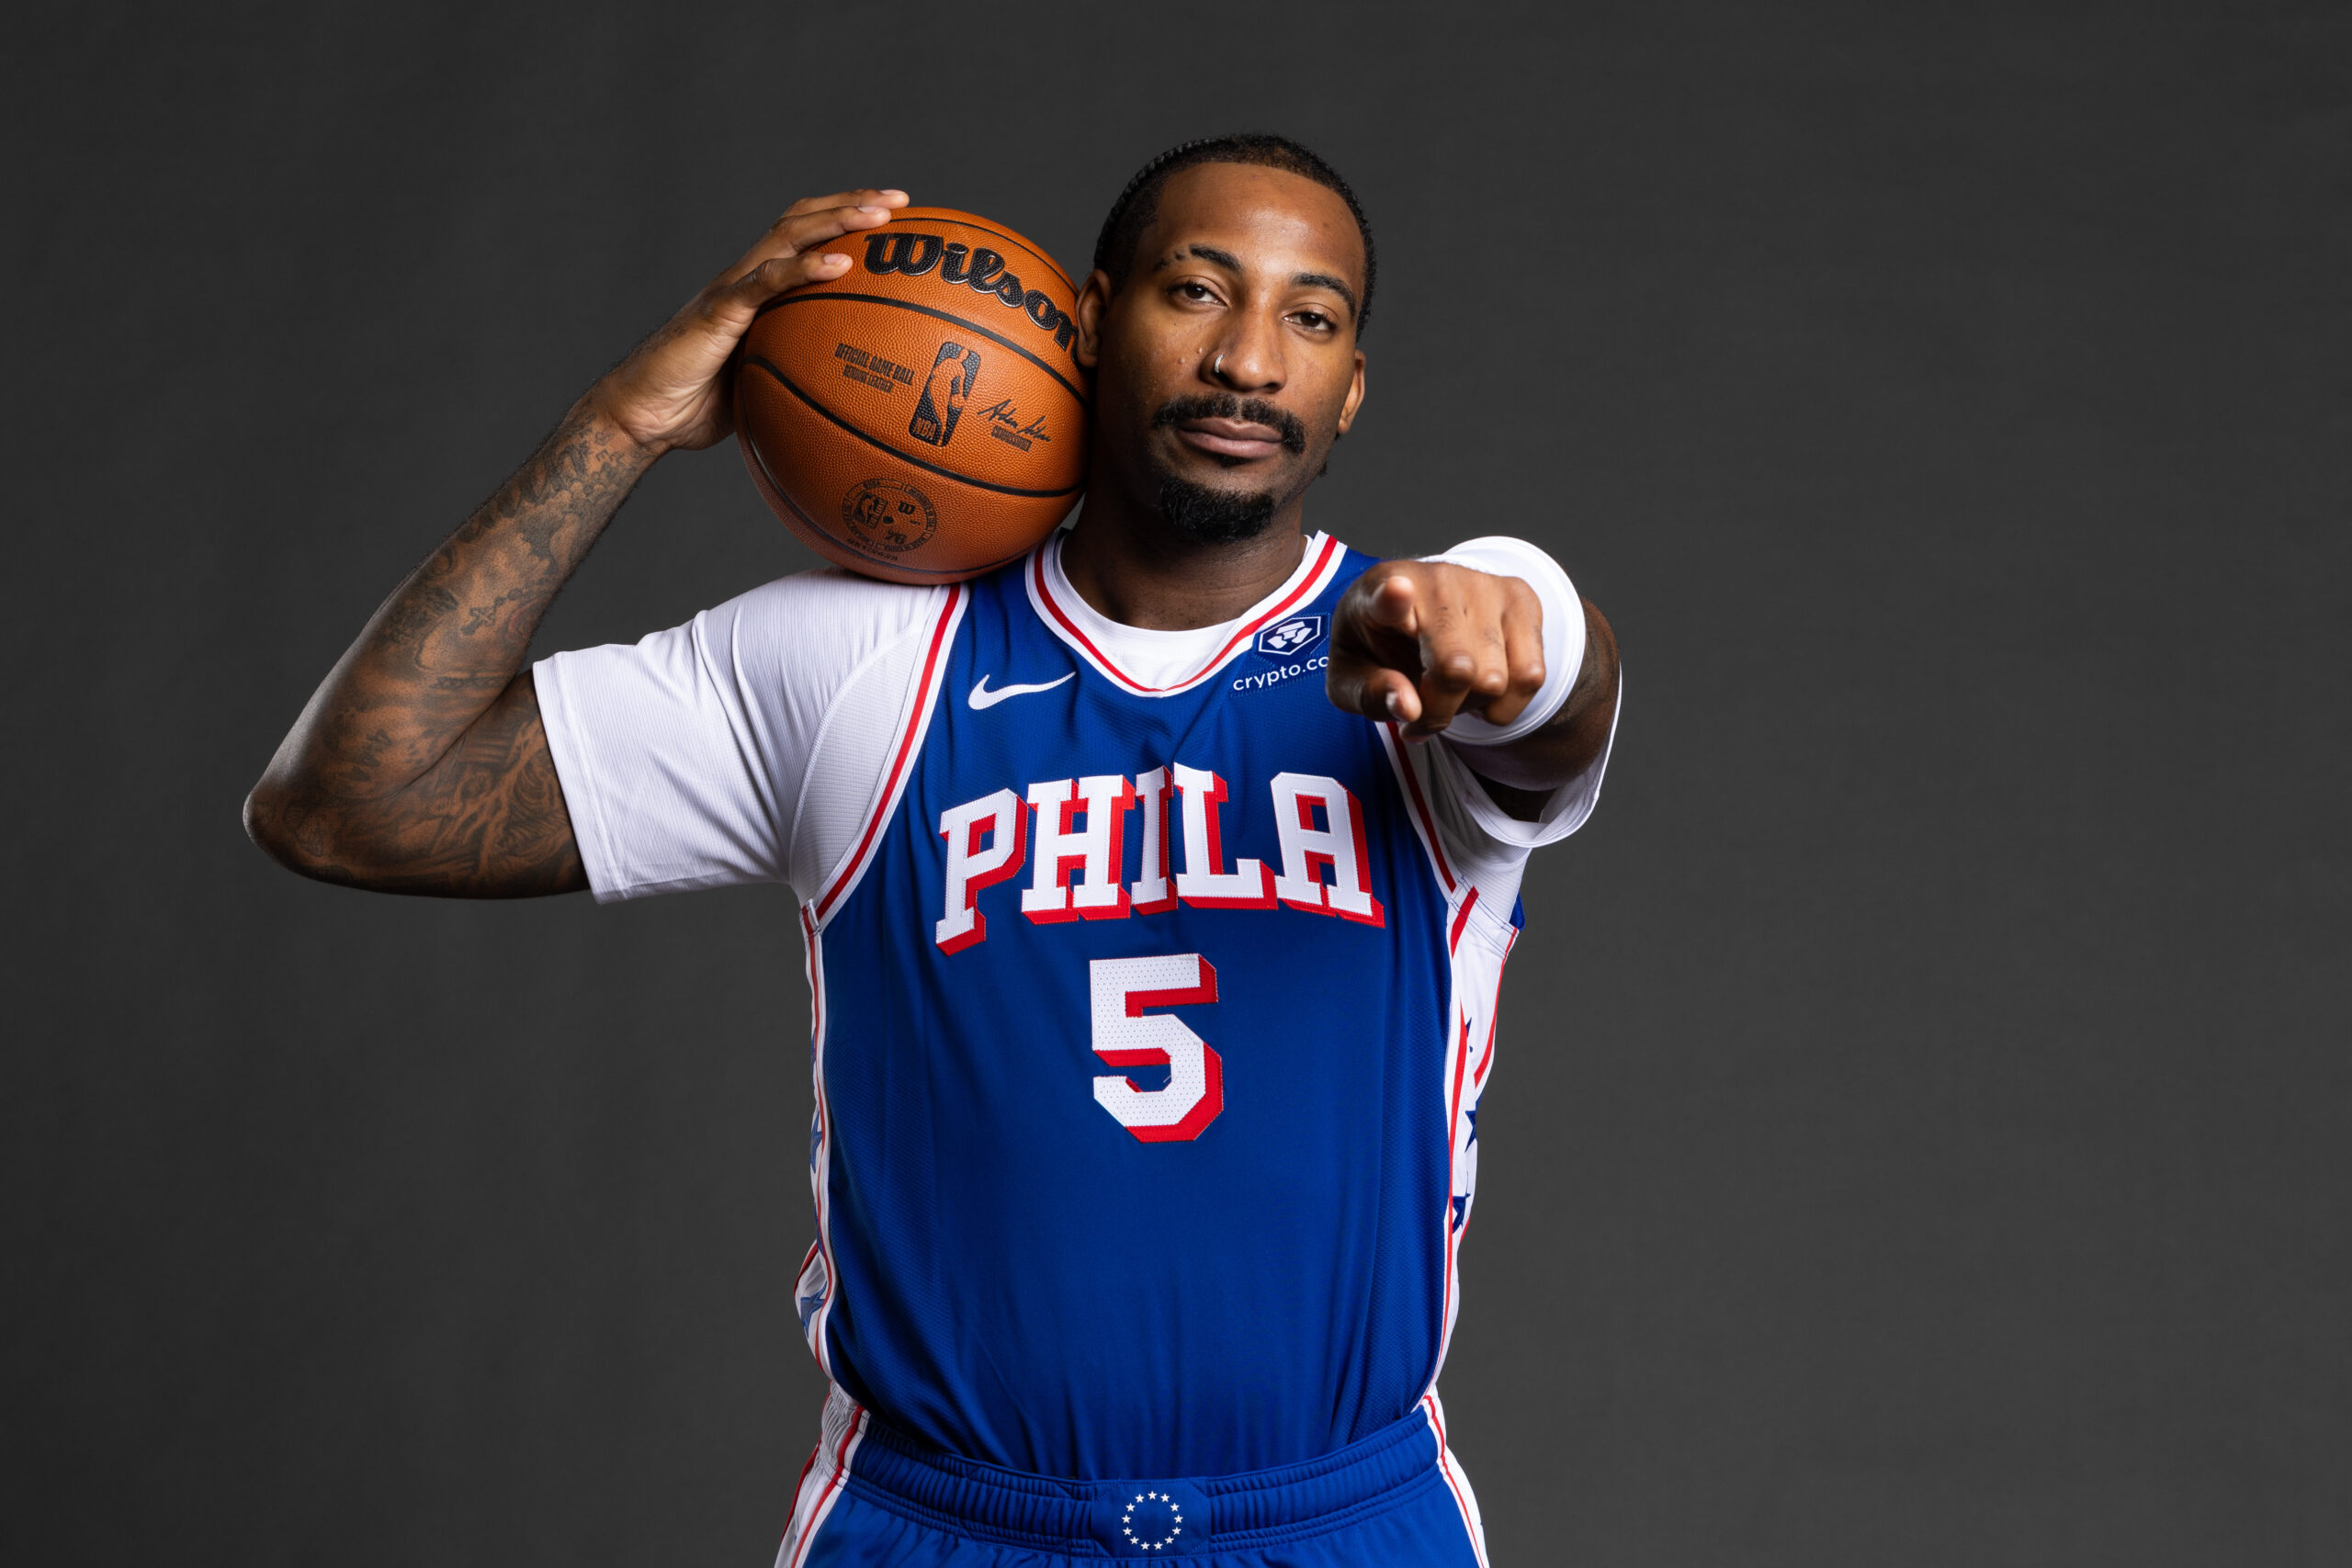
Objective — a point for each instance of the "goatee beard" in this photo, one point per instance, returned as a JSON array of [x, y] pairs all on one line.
[[1208, 517]]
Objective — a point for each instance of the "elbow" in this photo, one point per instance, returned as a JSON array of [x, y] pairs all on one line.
[[266, 823], [289, 829]]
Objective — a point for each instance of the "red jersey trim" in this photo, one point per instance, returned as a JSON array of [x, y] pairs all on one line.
[[1424, 821], [934, 671], [1325, 561], [1461, 918]]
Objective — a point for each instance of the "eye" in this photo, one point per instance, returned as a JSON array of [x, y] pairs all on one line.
[[1315, 321], [1195, 292]]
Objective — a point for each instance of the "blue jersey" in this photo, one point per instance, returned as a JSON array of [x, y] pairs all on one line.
[[1148, 1052]]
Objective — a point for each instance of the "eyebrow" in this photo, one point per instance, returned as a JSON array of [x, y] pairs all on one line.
[[1325, 280], [1232, 263]]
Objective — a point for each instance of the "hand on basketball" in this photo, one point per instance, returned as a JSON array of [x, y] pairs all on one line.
[[1416, 642], [674, 390]]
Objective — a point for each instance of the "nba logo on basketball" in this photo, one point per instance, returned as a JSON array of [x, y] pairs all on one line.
[[952, 374]]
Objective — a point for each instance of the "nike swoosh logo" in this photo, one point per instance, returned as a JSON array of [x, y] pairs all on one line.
[[982, 697]]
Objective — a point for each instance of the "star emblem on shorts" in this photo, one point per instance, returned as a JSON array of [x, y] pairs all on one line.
[[1144, 1500]]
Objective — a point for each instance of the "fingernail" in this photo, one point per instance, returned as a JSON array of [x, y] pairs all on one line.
[[1392, 704], [869, 207], [900, 194]]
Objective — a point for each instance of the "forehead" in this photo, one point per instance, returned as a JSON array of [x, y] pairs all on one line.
[[1263, 216]]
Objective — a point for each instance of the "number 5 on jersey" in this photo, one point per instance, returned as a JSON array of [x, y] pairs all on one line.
[[1126, 1036]]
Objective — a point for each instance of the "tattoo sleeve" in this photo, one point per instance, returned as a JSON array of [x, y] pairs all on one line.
[[421, 765]]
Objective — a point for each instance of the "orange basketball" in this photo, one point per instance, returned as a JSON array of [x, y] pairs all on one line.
[[922, 417]]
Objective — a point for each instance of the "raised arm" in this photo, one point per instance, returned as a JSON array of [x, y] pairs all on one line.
[[420, 764]]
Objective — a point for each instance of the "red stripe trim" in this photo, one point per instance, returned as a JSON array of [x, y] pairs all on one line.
[[841, 1474], [1289, 602], [1454, 937], [802, 1480], [1453, 1130], [1421, 807], [927, 693], [1437, 1425], [1494, 1012]]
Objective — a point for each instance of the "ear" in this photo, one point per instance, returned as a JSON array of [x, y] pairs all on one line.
[[1093, 300], [1355, 397]]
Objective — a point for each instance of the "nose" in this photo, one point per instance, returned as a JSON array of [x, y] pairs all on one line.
[[1247, 356]]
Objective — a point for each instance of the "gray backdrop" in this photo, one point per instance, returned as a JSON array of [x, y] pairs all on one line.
[[1921, 1130]]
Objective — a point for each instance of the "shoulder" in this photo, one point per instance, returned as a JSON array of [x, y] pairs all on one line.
[[771, 660], [811, 612]]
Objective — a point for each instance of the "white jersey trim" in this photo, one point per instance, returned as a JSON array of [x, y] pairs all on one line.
[[1069, 617]]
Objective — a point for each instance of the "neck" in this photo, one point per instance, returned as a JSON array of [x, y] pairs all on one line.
[[1131, 567]]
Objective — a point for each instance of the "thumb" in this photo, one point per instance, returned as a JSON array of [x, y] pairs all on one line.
[[1359, 685]]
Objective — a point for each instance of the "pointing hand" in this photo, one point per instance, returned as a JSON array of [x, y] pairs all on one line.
[[1416, 642]]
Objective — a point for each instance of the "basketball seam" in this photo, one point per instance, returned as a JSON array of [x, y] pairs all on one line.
[[786, 382], [928, 311]]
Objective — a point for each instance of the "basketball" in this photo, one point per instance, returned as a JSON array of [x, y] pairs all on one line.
[[921, 418]]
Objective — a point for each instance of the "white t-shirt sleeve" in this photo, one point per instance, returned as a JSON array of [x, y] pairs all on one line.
[[1476, 830], [710, 755]]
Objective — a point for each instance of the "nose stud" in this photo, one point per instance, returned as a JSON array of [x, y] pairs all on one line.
[[1216, 366]]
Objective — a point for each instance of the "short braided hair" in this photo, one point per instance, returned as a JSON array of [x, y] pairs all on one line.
[[1115, 251]]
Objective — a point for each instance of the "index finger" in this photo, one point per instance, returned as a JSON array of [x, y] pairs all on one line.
[[806, 225], [870, 196]]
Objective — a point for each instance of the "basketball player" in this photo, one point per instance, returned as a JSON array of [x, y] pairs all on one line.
[[1154, 977]]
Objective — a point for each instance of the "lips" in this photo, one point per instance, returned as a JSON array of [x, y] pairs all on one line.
[[1230, 438], [1233, 430]]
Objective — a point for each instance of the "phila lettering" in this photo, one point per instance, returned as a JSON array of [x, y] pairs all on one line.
[[1071, 835]]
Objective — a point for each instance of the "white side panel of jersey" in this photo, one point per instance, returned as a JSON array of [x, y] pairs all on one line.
[[1479, 935], [818, 1287], [812, 1293], [822, 1477]]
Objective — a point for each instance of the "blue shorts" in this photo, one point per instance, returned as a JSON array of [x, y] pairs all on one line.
[[870, 1494]]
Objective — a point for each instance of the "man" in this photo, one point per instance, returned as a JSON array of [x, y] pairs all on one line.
[[1154, 987]]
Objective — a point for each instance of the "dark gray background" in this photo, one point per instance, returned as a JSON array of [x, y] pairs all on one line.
[[1920, 1134]]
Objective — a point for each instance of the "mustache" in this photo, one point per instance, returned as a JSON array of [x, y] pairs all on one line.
[[1225, 405]]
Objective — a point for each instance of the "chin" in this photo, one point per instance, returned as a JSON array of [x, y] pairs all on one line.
[[1215, 514]]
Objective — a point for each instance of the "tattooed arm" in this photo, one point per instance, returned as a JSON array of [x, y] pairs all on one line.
[[421, 765]]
